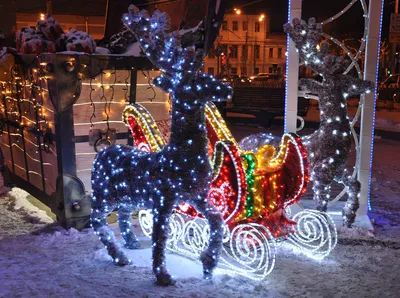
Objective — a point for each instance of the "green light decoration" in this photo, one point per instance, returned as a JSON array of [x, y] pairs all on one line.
[[251, 166]]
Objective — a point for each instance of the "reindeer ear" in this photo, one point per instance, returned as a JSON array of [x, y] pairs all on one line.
[[288, 29], [296, 22], [311, 22], [304, 25]]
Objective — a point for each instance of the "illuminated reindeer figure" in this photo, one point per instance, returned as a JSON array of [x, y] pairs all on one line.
[[329, 147], [126, 178]]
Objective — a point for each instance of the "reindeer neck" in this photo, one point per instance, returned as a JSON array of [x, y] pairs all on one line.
[[333, 107], [188, 127]]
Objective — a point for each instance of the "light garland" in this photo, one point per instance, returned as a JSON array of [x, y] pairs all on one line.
[[329, 147], [371, 152], [314, 234], [22, 105], [248, 250]]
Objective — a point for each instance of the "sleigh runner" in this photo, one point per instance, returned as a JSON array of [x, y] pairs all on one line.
[[252, 192]]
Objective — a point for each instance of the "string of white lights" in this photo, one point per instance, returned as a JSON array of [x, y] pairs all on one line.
[[354, 63], [315, 234], [249, 249]]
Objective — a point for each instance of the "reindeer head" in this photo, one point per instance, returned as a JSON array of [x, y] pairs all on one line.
[[306, 37], [178, 56]]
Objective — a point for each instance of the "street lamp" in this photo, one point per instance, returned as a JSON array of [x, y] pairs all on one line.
[[237, 11], [262, 17]]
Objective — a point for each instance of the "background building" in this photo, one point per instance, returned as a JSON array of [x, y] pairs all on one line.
[[246, 47]]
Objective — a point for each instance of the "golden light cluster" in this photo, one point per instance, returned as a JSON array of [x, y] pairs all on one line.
[[237, 11]]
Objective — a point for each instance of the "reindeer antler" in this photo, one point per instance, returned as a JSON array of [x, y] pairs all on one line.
[[306, 37], [180, 57], [171, 52]]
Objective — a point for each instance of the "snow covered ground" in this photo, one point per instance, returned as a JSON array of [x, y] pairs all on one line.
[[40, 259]]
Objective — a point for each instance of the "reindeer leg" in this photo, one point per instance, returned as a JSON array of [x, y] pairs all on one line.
[[209, 257], [322, 178], [125, 226], [352, 203], [106, 236], [161, 217]]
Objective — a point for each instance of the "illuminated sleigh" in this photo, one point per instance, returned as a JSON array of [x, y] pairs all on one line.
[[252, 191]]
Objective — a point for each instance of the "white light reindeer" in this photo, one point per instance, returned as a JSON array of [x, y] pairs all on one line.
[[126, 178], [329, 147]]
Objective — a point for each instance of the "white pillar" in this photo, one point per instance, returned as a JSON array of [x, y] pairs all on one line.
[[292, 72], [368, 110]]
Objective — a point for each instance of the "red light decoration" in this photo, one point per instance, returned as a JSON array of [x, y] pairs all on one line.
[[278, 180]]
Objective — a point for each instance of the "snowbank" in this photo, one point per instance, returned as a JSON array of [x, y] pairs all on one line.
[[19, 202], [134, 50], [387, 124], [18, 216]]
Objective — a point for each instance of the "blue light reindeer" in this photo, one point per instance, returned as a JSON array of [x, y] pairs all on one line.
[[126, 178]]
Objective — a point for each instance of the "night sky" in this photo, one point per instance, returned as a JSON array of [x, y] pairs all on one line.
[[350, 24]]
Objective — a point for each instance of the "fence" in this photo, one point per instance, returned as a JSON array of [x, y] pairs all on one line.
[[55, 112]]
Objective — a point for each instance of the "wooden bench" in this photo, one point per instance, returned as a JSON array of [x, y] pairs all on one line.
[[265, 103]]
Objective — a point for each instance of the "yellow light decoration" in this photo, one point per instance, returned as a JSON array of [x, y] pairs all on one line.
[[258, 196], [264, 154], [274, 164], [147, 124], [219, 125], [266, 188]]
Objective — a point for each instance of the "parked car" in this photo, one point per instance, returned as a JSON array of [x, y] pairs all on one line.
[[222, 77], [233, 79], [267, 76], [245, 79], [261, 77]]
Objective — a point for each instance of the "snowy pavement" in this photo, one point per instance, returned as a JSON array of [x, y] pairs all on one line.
[[40, 259]]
